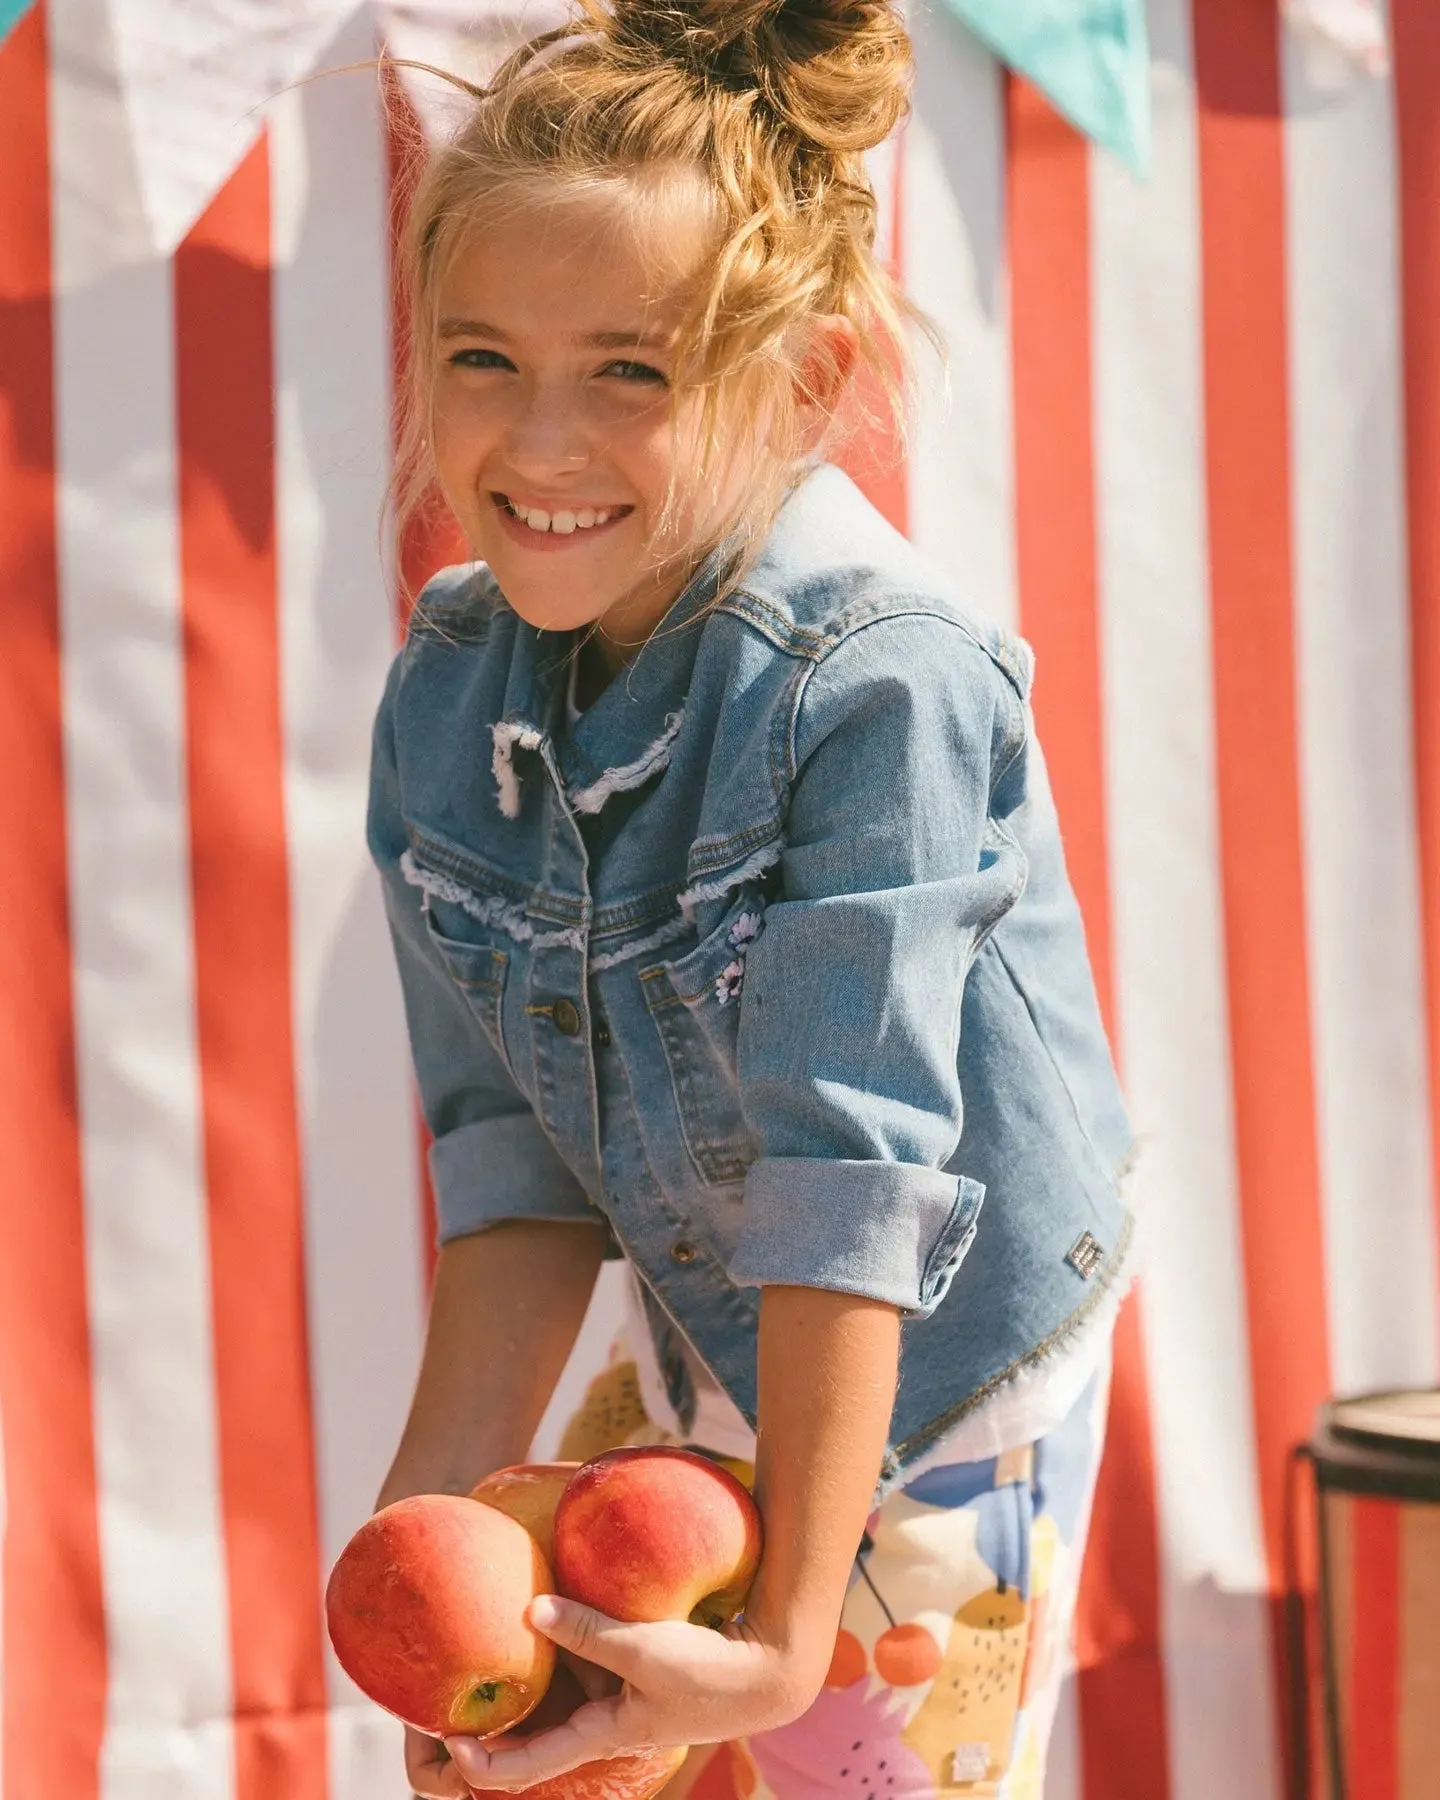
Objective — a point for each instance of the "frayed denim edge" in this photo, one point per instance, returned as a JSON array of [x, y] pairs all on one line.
[[505, 734], [665, 934], [504, 914], [721, 885], [1100, 1308], [629, 775]]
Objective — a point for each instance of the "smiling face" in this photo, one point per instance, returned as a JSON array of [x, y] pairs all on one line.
[[553, 431]]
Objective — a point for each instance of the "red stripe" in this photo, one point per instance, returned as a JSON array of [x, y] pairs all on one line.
[[1372, 1753], [1048, 199], [225, 380], [425, 545], [1122, 1685], [434, 540], [53, 1630], [1416, 25], [1246, 361]]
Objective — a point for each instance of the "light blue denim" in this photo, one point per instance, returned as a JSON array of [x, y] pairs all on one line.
[[771, 958]]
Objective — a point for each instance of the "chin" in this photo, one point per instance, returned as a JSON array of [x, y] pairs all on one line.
[[550, 613]]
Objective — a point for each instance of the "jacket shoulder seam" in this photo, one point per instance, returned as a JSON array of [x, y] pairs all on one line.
[[798, 688], [816, 645]]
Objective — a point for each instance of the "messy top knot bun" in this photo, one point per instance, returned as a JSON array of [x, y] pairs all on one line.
[[766, 108], [835, 72]]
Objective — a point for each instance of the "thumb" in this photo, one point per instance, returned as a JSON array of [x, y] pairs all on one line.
[[588, 1633]]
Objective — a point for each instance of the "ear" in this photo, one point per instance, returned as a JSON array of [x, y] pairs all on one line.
[[823, 374]]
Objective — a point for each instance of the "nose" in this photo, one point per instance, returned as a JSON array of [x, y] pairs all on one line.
[[546, 434]]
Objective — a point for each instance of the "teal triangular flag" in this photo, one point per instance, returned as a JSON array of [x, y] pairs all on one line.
[[1090, 57], [10, 11]]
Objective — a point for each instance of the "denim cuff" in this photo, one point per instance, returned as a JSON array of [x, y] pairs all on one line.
[[888, 1231], [501, 1168]]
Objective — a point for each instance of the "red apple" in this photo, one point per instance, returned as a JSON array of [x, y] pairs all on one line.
[[636, 1777], [654, 1533], [529, 1492], [427, 1613]]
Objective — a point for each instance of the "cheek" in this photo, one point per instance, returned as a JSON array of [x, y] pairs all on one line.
[[652, 462], [464, 425]]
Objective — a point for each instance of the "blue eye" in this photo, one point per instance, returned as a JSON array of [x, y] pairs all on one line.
[[633, 371]]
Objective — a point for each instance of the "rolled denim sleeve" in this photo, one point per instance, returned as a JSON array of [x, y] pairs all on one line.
[[895, 868], [489, 1160]]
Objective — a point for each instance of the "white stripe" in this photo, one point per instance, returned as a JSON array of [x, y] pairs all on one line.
[[366, 1748], [1064, 1770], [1165, 882], [146, 1248], [364, 1254], [961, 481], [1357, 775], [883, 167], [604, 1320]]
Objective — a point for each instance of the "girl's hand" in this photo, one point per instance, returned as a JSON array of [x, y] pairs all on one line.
[[683, 1684], [429, 1770]]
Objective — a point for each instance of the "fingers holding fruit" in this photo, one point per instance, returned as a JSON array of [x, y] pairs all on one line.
[[637, 1776], [441, 1609], [595, 1683], [683, 1684], [430, 1770], [639, 1656], [520, 1762]]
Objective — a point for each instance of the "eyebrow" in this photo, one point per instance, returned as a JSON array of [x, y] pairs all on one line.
[[595, 340]]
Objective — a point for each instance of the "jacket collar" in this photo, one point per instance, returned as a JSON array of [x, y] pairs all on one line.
[[624, 738]]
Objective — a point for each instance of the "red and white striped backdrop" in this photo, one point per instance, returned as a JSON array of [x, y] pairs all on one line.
[[1193, 449]]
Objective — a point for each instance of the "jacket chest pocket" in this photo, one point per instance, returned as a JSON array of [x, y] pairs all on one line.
[[478, 971], [695, 1003]]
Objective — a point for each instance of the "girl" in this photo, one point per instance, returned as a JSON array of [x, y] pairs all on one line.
[[732, 921]]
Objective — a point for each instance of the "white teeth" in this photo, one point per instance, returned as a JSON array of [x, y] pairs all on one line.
[[564, 521]]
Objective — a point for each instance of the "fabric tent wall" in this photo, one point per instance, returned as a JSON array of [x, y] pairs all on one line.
[[1191, 450]]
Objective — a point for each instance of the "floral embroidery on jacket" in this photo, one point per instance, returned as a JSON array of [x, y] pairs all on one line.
[[731, 978]]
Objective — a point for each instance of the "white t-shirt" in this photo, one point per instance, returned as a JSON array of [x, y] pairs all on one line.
[[1024, 1410]]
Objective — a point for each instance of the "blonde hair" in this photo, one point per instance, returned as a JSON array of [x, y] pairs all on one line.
[[772, 105]]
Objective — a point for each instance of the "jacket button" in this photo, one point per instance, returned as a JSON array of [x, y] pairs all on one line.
[[682, 1252], [566, 1015], [602, 1034]]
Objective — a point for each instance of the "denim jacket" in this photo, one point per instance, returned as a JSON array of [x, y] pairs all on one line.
[[770, 957]]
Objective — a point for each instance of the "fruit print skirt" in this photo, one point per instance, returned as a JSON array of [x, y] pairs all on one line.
[[956, 1631]]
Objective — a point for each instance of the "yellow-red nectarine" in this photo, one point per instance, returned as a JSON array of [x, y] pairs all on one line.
[[657, 1533], [529, 1492], [427, 1610]]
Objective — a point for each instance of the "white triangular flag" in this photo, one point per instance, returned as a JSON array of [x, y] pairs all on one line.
[[463, 38], [196, 78], [1355, 28]]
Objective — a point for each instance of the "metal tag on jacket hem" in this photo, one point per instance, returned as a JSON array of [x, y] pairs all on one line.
[[1086, 1255]]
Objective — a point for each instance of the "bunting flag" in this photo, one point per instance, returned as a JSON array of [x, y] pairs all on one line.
[[1088, 57], [1355, 28], [1190, 448], [10, 11]]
